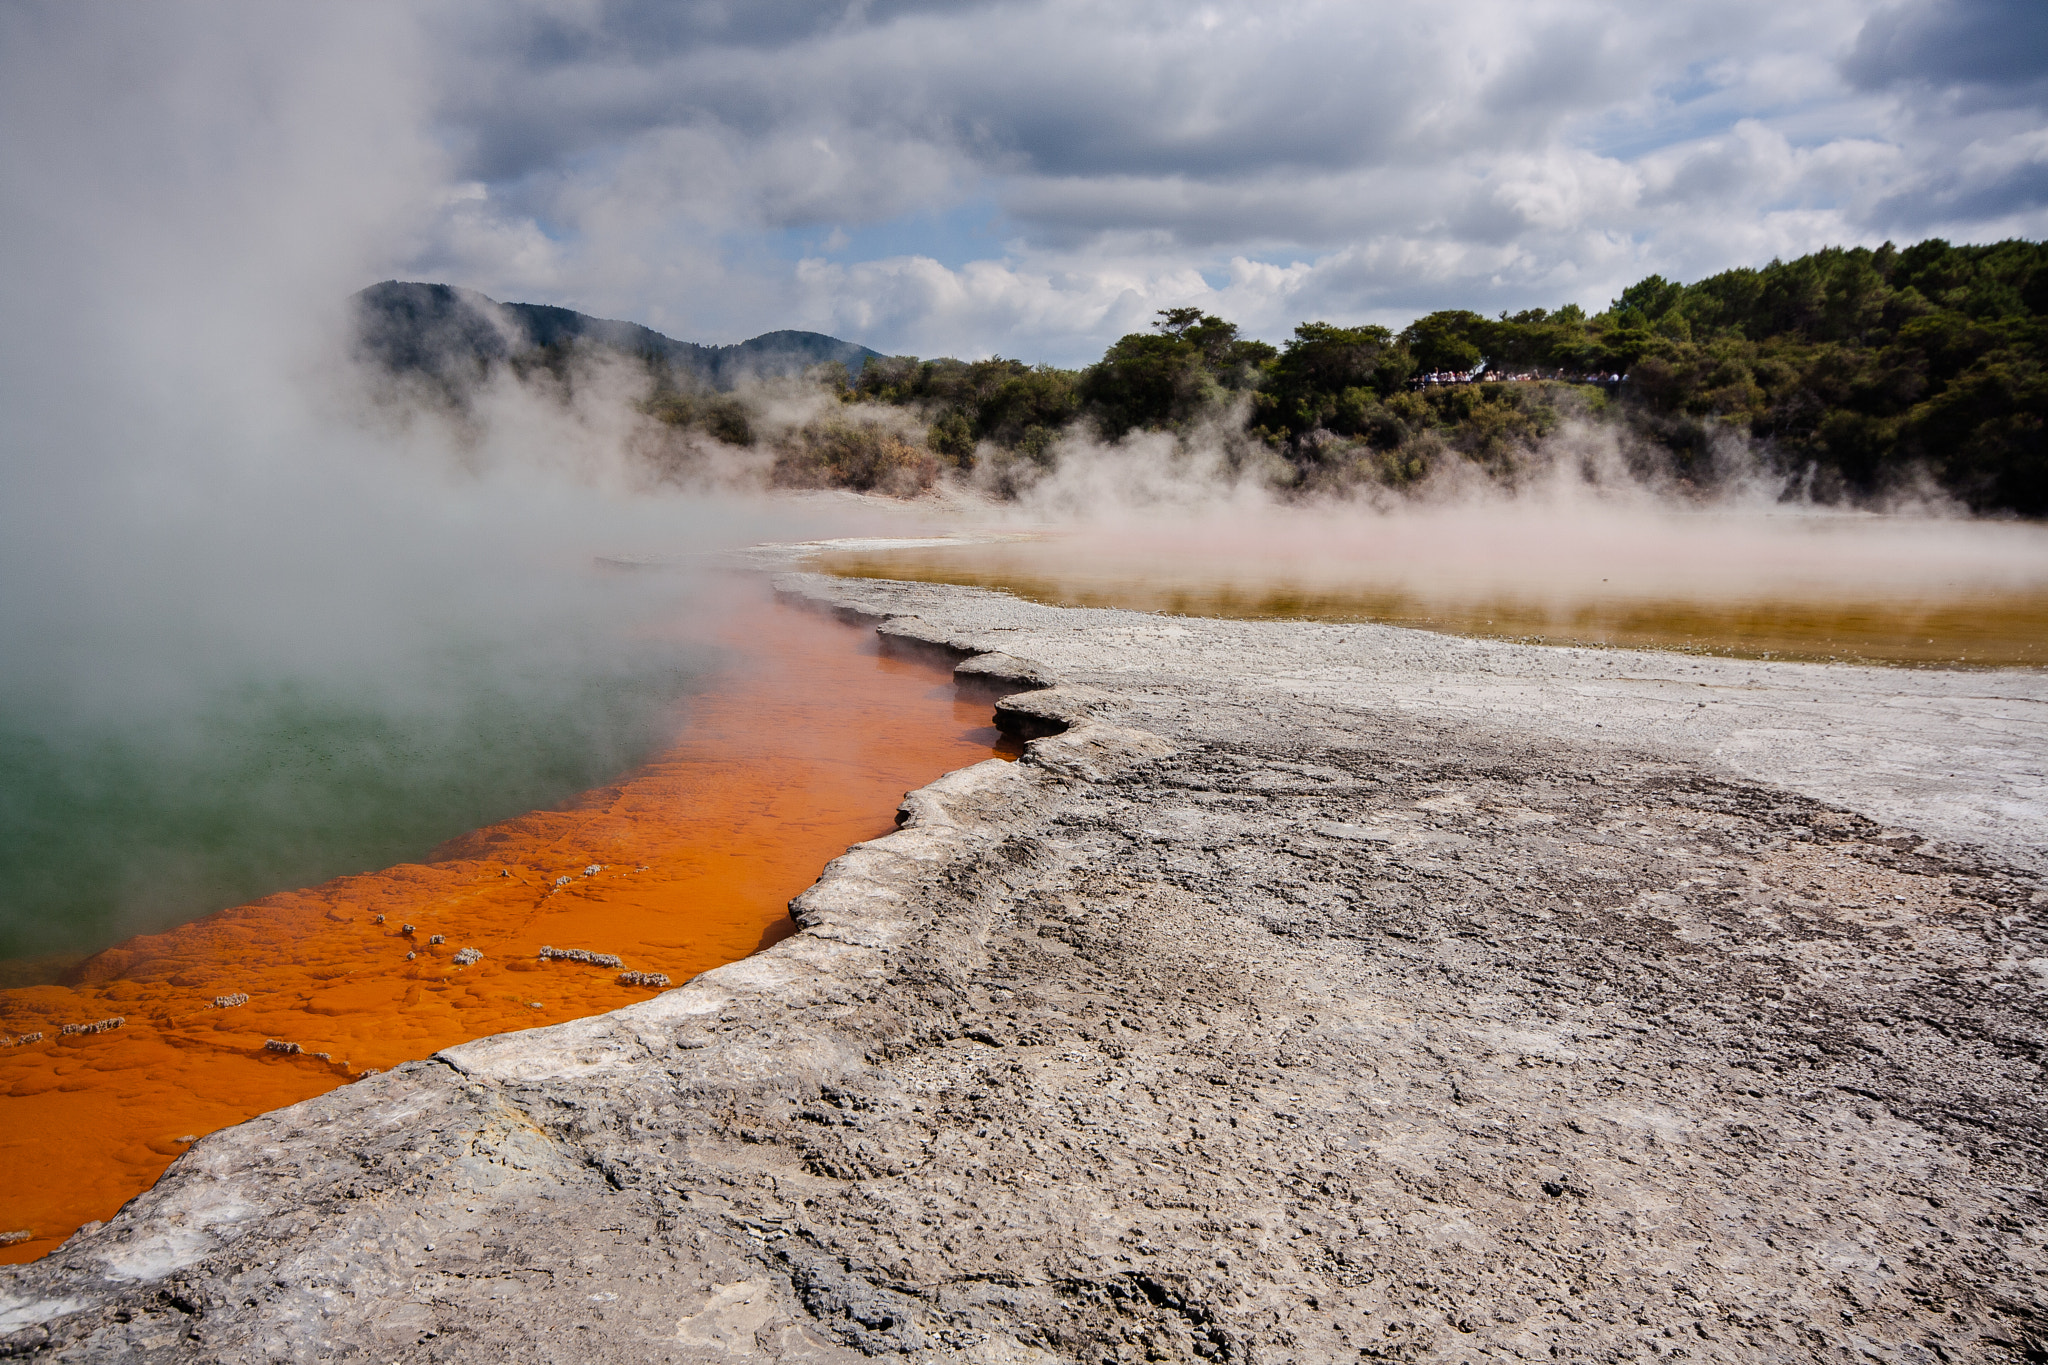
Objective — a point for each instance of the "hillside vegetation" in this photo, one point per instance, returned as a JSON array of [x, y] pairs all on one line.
[[453, 339], [1850, 373], [1856, 369]]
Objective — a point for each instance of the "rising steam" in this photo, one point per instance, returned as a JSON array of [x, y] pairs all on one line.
[[255, 633]]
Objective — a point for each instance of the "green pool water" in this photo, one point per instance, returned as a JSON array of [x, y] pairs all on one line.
[[114, 827]]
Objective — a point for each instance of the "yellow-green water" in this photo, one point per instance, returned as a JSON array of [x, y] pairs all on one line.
[[1871, 590]]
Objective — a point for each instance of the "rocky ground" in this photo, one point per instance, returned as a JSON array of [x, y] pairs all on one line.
[[1308, 993]]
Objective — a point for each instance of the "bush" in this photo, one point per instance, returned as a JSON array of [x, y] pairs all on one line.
[[968, 402], [864, 456], [720, 416], [952, 437]]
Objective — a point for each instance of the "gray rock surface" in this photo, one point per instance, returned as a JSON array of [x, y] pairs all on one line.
[[1316, 993]]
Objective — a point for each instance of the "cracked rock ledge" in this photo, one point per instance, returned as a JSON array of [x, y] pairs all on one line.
[[1305, 994]]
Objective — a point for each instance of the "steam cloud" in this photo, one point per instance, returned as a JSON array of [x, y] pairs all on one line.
[[252, 639]]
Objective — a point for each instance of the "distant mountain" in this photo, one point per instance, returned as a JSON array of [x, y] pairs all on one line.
[[455, 333]]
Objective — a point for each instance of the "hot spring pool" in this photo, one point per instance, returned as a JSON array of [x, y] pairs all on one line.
[[1867, 589]]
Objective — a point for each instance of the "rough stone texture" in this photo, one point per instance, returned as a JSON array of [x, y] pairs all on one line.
[[915, 636], [1280, 1008], [1002, 673]]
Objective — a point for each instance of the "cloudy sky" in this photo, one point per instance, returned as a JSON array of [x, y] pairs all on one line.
[[1034, 177]]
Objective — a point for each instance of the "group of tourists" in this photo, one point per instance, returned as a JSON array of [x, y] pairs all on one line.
[[1481, 374]]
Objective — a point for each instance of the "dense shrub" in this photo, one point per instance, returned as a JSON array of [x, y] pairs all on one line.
[[720, 416], [864, 456], [968, 402], [1863, 365]]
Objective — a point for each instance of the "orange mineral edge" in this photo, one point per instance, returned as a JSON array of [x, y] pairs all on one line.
[[804, 746]]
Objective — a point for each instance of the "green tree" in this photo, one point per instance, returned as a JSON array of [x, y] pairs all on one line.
[[1172, 375], [1330, 378], [1446, 340]]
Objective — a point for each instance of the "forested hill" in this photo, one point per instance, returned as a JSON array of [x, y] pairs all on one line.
[[455, 334], [1849, 370]]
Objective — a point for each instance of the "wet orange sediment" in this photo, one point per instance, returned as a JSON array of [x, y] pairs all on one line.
[[782, 765]]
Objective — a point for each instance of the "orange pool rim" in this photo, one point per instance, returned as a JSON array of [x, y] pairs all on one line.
[[804, 745]]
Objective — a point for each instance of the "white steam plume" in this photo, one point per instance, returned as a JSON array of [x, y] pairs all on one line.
[[202, 563]]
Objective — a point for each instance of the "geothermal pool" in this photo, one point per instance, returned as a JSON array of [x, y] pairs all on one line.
[[802, 745], [1790, 585]]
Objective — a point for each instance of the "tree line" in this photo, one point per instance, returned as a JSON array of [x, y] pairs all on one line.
[[1853, 369]]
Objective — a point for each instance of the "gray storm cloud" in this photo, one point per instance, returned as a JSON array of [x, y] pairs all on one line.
[[1993, 50]]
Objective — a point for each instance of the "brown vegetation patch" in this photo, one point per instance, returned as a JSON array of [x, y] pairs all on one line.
[[866, 457]]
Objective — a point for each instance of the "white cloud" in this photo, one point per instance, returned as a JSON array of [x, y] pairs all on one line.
[[1272, 161], [719, 170], [1562, 189]]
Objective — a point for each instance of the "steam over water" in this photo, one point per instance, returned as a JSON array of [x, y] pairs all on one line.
[[129, 818], [252, 633], [235, 704], [1786, 583]]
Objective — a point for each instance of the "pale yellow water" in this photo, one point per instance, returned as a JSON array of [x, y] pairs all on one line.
[[1864, 589]]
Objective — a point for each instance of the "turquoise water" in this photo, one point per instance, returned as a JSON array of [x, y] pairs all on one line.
[[110, 828]]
